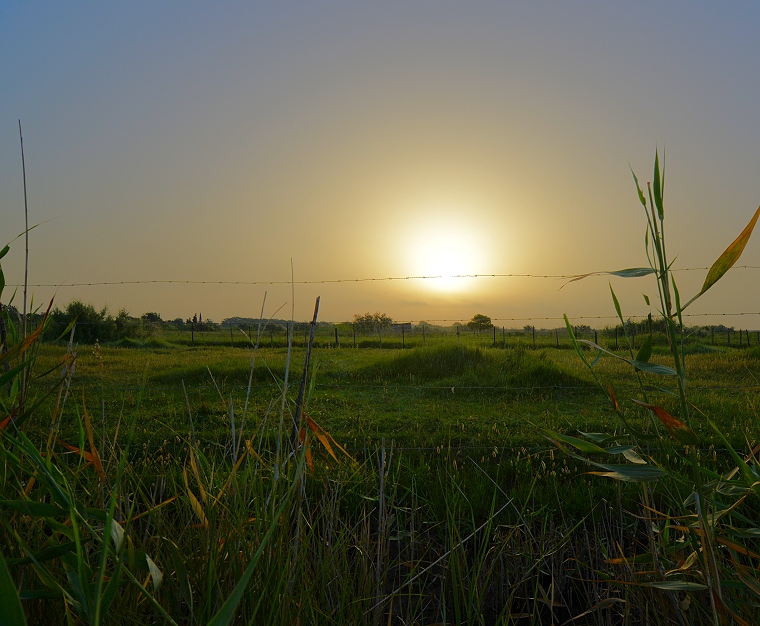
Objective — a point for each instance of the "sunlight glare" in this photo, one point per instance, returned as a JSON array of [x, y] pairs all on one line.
[[448, 253]]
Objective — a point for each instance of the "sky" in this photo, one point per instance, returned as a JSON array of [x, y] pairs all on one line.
[[232, 147]]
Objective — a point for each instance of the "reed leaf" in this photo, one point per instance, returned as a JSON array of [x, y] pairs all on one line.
[[727, 260], [11, 611]]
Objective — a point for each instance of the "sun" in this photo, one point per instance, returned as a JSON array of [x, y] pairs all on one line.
[[446, 255]]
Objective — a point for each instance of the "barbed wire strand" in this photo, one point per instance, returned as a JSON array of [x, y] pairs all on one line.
[[342, 280]]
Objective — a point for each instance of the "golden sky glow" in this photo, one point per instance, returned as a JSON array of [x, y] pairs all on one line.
[[218, 142]]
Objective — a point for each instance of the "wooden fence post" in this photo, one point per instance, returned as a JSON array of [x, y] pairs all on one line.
[[337, 345], [534, 335]]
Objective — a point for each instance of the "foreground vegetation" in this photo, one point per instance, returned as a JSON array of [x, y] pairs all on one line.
[[450, 483]]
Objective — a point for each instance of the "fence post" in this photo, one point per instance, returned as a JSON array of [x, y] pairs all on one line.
[[354, 329], [424, 338], [728, 337], [596, 338], [503, 336], [494, 336], [192, 332], [337, 345], [741, 338], [534, 335]]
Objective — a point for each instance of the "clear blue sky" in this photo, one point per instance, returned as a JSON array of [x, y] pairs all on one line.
[[218, 141]]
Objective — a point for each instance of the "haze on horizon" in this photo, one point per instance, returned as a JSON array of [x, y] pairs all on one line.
[[221, 142]]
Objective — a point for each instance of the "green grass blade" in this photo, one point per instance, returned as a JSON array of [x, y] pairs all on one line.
[[11, 611], [633, 272], [645, 351], [658, 186], [642, 199], [677, 585], [580, 444], [226, 614], [634, 473], [651, 368]]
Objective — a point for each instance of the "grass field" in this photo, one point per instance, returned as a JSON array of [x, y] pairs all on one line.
[[447, 505]]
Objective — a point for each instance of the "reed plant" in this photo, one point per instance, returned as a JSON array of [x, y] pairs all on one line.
[[695, 552]]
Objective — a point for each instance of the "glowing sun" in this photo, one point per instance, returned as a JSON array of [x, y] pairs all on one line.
[[447, 254]]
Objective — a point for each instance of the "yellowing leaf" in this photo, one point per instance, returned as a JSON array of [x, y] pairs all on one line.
[[194, 503], [726, 260]]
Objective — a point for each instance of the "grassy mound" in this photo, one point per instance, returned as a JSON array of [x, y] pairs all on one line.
[[470, 367]]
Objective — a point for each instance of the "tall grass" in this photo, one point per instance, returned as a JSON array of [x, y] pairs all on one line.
[[698, 542]]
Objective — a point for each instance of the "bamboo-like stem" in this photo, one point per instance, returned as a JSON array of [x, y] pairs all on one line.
[[26, 264]]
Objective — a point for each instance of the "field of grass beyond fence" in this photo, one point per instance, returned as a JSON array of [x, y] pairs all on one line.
[[446, 503]]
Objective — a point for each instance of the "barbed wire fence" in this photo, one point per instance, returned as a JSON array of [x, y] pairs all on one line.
[[410, 333], [342, 335]]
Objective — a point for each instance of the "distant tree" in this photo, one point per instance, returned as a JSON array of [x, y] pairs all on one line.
[[152, 317], [91, 324], [480, 323], [370, 322]]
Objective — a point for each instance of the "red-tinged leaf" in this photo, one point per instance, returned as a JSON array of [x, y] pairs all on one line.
[[317, 430], [613, 399], [677, 429], [5, 422], [310, 460], [83, 453]]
